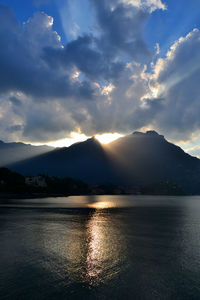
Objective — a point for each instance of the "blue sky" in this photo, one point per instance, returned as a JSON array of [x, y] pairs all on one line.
[[99, 67], [177, 20]]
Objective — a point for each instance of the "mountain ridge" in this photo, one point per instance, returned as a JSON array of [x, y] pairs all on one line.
[[17, 151], [137, 159]]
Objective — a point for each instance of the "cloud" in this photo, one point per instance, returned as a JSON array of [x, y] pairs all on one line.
[[97, 82], [195, 151], [150, 4], [80, 55], [22, 67], [121, 30], [119, 109], [38, 74], [176, 81]]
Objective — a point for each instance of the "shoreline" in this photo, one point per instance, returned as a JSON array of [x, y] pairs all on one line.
[[9, 196], [31, 196]]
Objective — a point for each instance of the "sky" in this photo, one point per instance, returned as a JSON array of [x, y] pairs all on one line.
[[71, 69]]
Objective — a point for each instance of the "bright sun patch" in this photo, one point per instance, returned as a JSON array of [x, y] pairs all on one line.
[[106, 138]]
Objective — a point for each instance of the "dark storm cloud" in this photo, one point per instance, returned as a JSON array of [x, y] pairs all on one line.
[[14, 128], [88, 60], [25, 52], [15, 101], [22, 68], [44, 124], [121, 28], [104, 57]]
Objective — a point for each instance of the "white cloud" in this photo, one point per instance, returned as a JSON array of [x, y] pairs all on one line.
[[150, 4], [107, 89], [38, 33], [176, 81]]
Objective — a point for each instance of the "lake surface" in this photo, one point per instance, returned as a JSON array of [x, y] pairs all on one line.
[[100, 247]]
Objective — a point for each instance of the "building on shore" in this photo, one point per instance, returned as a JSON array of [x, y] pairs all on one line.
[[36, 181]]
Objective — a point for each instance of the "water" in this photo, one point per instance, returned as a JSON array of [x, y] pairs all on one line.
[[100, 247]]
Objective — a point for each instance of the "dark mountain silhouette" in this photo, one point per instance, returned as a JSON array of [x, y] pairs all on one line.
[[135, 160], [13, 152], [146, 158], [87, 161]]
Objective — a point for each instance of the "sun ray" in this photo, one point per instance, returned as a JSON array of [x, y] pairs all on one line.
[[106, 138]]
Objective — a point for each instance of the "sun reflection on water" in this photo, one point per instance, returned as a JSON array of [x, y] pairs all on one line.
[[90, 248], [101, 204], [99, 242], [105, 244], [96, 249]]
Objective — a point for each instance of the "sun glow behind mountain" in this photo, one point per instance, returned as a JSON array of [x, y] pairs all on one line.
[[106, 138], [76, 137]]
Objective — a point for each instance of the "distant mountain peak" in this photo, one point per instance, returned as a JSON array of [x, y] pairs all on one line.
[[16, 151], [152, 133], [138, 133]]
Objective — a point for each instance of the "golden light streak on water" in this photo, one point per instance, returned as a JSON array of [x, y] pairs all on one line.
[[102, 205], [104, 249]]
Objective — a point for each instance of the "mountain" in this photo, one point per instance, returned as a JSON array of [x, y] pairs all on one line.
[[135, 160], [146, 158], [13, 152], [87, 161]]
